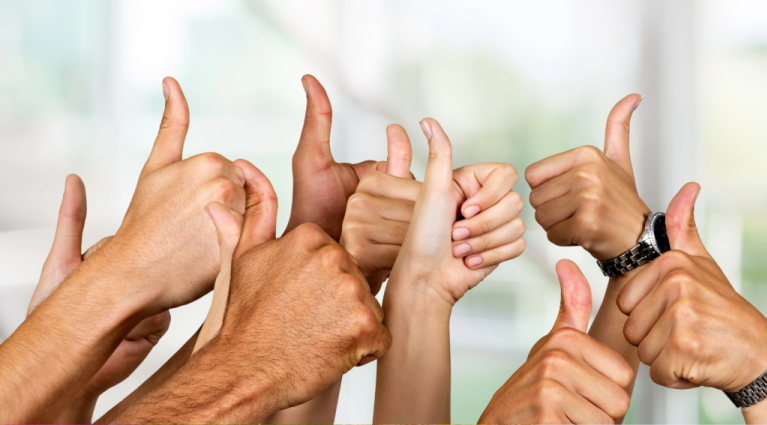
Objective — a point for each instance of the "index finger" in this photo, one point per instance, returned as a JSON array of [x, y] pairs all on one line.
[[548, 168], [484, 185]]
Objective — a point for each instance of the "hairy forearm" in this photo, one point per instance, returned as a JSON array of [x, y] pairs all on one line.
[[64, 342], [163, 374], [609, 321], [413, 381], [319, 410], [211, 387]]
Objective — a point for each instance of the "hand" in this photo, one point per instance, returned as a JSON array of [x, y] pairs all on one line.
[[378, 215], [299, 310], [428, 254], [62, 260], [589, 198], [167, 238], [263, 201], [568, 376], [321, 186], [691, 327]]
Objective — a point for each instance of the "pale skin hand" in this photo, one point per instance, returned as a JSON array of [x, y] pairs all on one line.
[[379, 213], [310, 295], [690, 325], [588, 197], [569, 377], [413, 383], [63, 259], [159, 258]]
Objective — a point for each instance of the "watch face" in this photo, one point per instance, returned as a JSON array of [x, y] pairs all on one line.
[[659, 231]]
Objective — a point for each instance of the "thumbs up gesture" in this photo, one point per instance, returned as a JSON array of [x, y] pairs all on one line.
[[588, 197], [689, 324], [568, 376]]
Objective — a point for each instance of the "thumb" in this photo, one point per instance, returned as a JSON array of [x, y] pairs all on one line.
[[575, 308], [315, 136], [680, 222], [260, 220], [617, 132], [228, 229], [169, 144], [400, 151], [67, 242], [439, 169]]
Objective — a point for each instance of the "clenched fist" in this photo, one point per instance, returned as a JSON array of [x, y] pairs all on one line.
[[569, 377]]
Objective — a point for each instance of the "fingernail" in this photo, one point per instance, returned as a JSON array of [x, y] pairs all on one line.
[[426, 127], [641, 98], [461, 233], [240, 175], [473, 262], [461, 249], [470, 211], [165, 91], [306, 86]]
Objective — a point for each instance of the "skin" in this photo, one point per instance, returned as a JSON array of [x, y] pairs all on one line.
[[689, 324], [321, 188], [310, 295], [569, 376], [63, 259], [587, 197], [166, 237], [413, 381]]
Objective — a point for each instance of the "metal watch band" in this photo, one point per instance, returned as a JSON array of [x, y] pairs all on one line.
[[750, 394], [637, 256]]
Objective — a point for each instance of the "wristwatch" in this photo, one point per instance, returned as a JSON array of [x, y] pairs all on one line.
[[652, 243], [750, 394]]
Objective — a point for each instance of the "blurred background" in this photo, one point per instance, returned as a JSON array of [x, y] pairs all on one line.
[[513, 81]]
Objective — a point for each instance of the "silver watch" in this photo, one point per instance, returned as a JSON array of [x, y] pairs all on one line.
[[750, 394], [652, 243]]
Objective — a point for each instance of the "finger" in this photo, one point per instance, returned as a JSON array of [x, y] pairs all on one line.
[[169, 144], [575, 308], [378, 257], [385, 186], [400, 152], [645, 281], [664, 371], [315, 136], [644, 317], [363, 207], [67, 241], [228, 193], [97, 246], [506, 210], [583, 380], [680, 222], [260, 221], [156, 326], [439, 170], [596, 355], [484, 185], [556, 211], [507, 234], [228, 228], [552, 189], [656, 340], [555, 165], [376, 346], [578, 410], [617, 132]]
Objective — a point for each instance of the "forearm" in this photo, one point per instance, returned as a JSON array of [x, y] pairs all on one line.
[[756, 414], [609, 321], [319, 410], [209, 388], [163, 374], [79, 411], [64, 342], [413, 382]]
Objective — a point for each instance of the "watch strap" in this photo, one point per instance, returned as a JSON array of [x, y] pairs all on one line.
[[750, 394], [639, 255]]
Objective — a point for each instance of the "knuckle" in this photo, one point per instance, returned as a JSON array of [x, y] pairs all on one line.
[[516, 199], [364, 322], [310, 235], [586, 223], [359, 202], [566, 337], [679, 282], [553, 364], [509, 171], [683, 312], [212, 161], [546, 393], [589, 153], [333, 254], [630, 331]]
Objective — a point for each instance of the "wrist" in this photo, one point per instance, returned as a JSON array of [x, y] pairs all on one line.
[[418, 294]]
